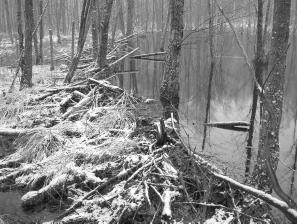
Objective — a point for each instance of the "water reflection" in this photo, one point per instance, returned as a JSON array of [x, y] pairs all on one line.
[[231, 101]]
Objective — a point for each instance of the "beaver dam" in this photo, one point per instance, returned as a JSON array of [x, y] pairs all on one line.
[[93, 153]]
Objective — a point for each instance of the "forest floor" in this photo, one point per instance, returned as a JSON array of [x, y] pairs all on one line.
[[93, 153]]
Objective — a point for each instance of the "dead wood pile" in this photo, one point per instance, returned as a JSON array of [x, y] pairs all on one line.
[[93, 153]]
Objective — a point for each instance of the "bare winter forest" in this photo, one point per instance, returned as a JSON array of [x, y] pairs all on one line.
[[148, 111]]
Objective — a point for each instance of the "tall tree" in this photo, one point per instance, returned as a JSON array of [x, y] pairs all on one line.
[[41, 33], [129, 31], [35, 40], [26, 78], [83, 30], [101, 61], [211, 69], [258, 64], [94, 29], [169, 91], [273, 98], [20, 31], [8, 21], [58, 21]]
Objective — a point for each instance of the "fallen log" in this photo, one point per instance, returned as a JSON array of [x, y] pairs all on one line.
[[149, 54], [64, 103], [10, 132], [88, 98], [33, 198], [232, 125], [106, 85]]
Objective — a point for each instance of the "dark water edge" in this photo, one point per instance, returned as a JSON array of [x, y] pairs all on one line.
[[10, 205]]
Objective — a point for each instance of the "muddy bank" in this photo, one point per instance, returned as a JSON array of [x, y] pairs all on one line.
[[11, 210]]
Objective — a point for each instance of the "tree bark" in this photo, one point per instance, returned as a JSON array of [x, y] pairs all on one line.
[[101, 62], [26, 78], [211, 71], [83, 30], [58, 21], [52, 67], [129, 25], [35, 40], [72, 39], [8, 21], [122, 28], [259, 58], [20, 32], [268, 153], [41, 33], [169, 91], [94, 30]]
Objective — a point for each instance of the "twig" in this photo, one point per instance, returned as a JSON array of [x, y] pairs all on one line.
[[146, 193], [142, 168]]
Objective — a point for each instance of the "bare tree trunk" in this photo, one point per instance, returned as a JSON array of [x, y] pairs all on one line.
[[20, 32], [63, 15], [129, 25], [41, 33], [273, 98], [211, 71], [169, 91], [121, 18], [122, 28], [104, 34], [83, 30], [58, 21], [8, 21], [72, 39], [259, 58], [26, 78], [35, 40], [163, 38], [49, 16], [94, 30], [52, 67]]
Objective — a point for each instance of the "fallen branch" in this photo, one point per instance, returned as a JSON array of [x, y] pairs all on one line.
[[10, 132], [33, 198], [111, 65], [88, 98], [122, 175], [67, 88], [106, 85]]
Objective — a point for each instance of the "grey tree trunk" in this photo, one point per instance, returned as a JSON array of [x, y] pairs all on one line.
[[273, 98], [122, 28], [35, 40], [94, 29], [26, 78], [212, 69], [20, 31], [8, 21], [72, 39], [58, 21], [52, 67], [101, 62], [83, 30], [129, 25], [259, 59], [41, 33], [169, 91]]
